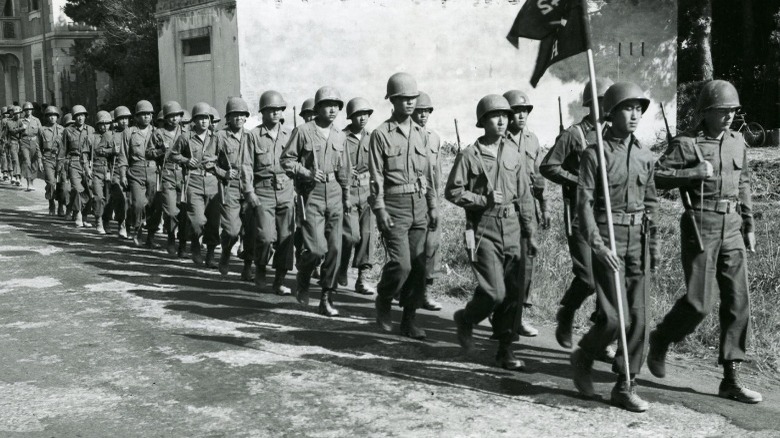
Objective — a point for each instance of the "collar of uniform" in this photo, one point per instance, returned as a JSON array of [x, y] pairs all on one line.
[[587, 124], [265, 131], [237, 135], [393, 125], [349, 132], [608, 135]]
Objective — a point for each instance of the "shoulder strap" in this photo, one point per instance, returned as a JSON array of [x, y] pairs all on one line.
[[581, 133], [491, 187]]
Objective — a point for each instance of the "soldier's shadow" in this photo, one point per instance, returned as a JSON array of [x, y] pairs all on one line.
[[351, 340]]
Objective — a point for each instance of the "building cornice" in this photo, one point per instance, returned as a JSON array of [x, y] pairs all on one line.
[[166, 8]]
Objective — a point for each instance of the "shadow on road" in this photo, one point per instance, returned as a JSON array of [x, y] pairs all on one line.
[[350, 341]]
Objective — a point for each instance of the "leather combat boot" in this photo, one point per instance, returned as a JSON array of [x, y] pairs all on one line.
[[247, 274], [384, 315], [210, 263], [565, 319], [656, 355], [731, 387], [302, 287], [625, 396], [582, 363], [279, 287], [464, 330], [195, 249], [361, 286], [326, 304], [409, 327], [505, 358]]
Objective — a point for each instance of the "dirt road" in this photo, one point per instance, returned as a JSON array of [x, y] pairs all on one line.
[[102, 339]]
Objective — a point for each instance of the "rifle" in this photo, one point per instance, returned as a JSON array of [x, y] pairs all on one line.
[[299, 198], [457, 134], [560, 116], [684, 196]]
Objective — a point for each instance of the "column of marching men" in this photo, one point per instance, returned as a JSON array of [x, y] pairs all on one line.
[[311, 197]]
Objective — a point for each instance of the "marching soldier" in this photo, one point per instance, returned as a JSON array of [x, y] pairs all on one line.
[[5, 157], [49, 141], [63, 172], [169, 173], [489, 181], [75, 150], [519, 134], [186, 121], [710, 164], [633, 201], [232, 140], [404, 202], [139, 172], [562, 166], [307, 112], [14, 131], [101, 149], [197, 151], [432, 256], [118, 201], [358, 224], [29, 147], [215, 119], [269, 189], [316, 156]]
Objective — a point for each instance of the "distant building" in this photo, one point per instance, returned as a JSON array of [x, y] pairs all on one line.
[[36, 43], [212, 49]]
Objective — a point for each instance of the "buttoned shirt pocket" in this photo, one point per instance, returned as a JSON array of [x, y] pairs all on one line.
[[263, 158], [395, 160], [335, 158], [509, 176], [731, 175]]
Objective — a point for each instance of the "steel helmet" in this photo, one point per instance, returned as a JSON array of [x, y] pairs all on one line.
[[236, 105], [307, 107], [144, 107], [401, 85], [121, 111], [621, 92], [172, 107], [272, 99], [518, 99], [717, 94], [78, 109], [492, 103], [67, 120], [51, 110], [27, 106], [358, 104], [328, 94], [5, 109], [160, 116], [215, 118], [201, 109], [186, 117], [424, 101], [103, 117], [602, 85], [16, 110]]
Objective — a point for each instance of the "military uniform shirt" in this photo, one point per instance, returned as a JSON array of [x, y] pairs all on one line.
[[261, 158], [631, 185], [731, 176]]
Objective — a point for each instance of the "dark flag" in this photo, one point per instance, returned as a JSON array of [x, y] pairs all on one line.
[[559, 24]]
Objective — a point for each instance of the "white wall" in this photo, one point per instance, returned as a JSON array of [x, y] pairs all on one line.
[[456, 49]]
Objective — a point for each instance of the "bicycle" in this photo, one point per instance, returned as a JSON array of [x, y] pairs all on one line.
[[754, 133]]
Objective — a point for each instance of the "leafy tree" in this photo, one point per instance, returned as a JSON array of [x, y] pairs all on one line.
[[126, 49]]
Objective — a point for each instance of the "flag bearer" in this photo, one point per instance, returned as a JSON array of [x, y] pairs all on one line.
[[629, 167]]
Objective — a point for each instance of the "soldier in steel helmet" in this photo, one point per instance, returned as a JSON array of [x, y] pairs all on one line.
[[316, 156], [232, 140], [14, 132], [519, 134], [489, 181], [118, 206], [359, 223], [29, 149], [405, 205], [196, 150], [139, 169], [634, 203], [271, 191], [101, 149], [49, 142], [422, 112], [75, 149], [170, 178], [5, 157], [710, 163], [215, 119], [561, 165], [308, 114], [186, 121]]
